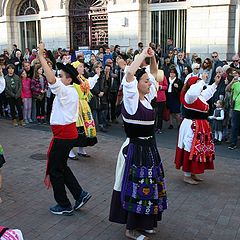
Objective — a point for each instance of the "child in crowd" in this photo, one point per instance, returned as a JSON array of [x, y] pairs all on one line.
[[39, 88], [218, 117], [26, 97]]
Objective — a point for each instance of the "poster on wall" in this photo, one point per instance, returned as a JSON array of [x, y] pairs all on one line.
[[87, 53]]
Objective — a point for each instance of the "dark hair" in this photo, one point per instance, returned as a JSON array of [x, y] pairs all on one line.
[[139, 73], [147, 60], [174, 71], [198, 60], [209, 64], [140, 44], [116, 46], [10, 66], [188, 68]]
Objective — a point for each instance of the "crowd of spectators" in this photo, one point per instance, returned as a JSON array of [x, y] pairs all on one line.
[[28, 99]]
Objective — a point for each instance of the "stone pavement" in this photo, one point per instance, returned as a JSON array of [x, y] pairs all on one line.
[[210, 210]]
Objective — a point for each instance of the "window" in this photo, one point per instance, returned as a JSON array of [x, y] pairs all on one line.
[[30, 30], [169, 24], [28, 7]]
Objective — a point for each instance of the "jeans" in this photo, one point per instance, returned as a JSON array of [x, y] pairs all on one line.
[[27, 108], [103, 118], [235, 126]]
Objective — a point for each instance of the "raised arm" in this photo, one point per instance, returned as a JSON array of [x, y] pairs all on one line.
[[153, 66], [147, 52], [47, 70]]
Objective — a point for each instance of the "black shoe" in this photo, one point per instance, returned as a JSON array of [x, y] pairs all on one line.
[[84, 197], [73, 158], [84, 155], [232, 147], [170, 126], [59, 210]]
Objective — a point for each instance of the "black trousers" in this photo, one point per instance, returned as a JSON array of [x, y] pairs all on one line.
[[112, 101], [159, 115], [60, 174], [3, 102], [15, 103], [40, 106]]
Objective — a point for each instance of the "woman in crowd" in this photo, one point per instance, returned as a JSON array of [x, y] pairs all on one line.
[[207, 67], [2, 160], [195, 148], [139, 164], [173, 97], [85, 122], [161, 100]]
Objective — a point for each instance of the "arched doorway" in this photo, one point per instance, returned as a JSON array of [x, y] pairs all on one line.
[[88, 23], [30, 28]]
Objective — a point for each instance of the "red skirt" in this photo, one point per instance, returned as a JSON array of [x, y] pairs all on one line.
[[202, 152]]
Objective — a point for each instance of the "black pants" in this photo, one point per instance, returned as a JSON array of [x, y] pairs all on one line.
[[15, 103], [159, 115], [3, 102], [40, 108], [112, 101], [61, 174], [49, 106]]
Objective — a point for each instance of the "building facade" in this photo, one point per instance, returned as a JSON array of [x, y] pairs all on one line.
[[195, 26]]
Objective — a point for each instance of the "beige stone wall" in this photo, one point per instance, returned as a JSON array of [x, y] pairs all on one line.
[[211, 27], [127, 22]]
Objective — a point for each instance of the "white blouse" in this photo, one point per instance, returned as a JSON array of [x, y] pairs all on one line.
[[196, 91], [65, 104], [131, 96], [2, 84]]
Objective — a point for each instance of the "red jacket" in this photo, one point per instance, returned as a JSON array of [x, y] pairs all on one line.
[[161, 95]]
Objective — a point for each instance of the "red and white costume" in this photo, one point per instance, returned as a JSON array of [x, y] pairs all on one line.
[[195, 148]]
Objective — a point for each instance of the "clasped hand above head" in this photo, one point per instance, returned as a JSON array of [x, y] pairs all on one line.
[[148, 52]]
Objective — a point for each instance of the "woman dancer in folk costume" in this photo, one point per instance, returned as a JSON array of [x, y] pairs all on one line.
[[85, 122], [195, 148], [139, 194], [2, 160]]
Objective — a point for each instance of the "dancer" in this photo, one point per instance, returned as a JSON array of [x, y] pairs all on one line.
[[85, 122], [63, 124], [195, 149], [139, 195], [2, 160]]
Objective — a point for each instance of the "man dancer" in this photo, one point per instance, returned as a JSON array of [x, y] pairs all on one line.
[[63, 124]]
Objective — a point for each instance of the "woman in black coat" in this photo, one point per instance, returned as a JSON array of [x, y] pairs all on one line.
[[173, 97]]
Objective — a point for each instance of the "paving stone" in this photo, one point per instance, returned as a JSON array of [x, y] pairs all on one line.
[[208, 211]]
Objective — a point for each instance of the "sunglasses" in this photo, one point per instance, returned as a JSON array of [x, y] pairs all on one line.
[[206, 62], [197, 68], [235, 60], [214, 56]]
